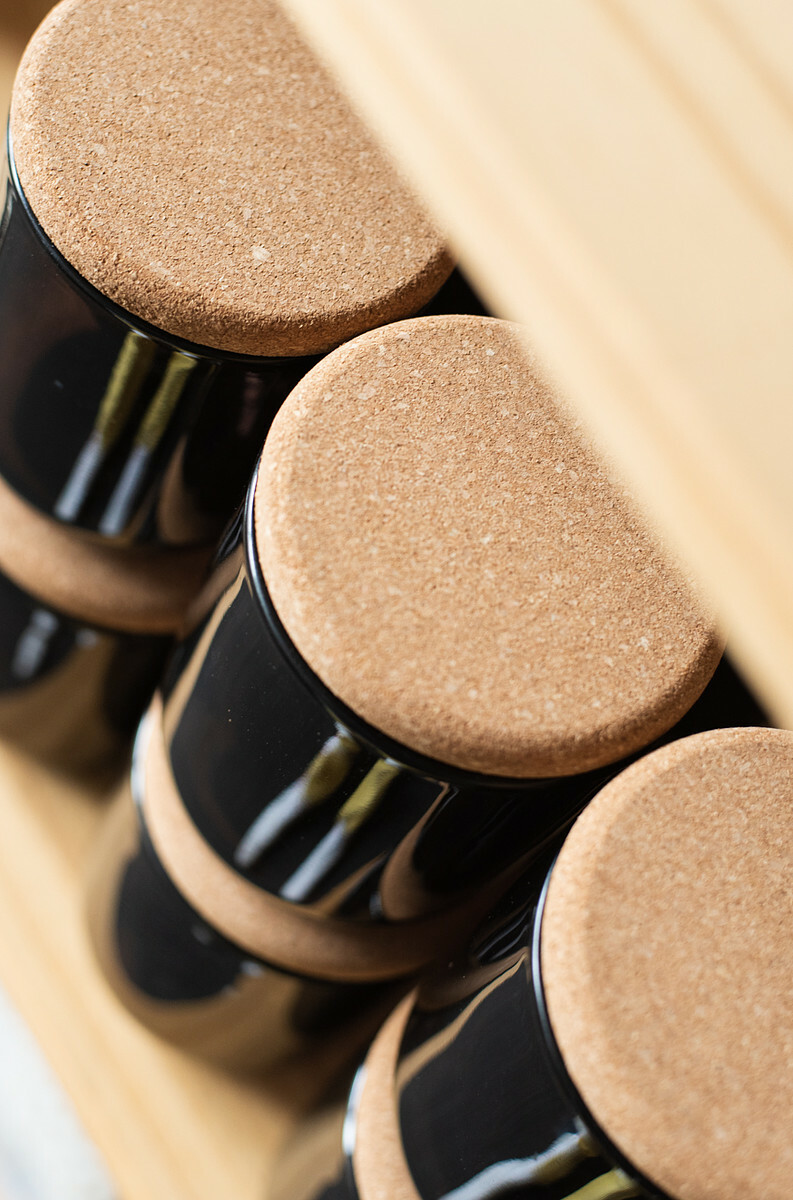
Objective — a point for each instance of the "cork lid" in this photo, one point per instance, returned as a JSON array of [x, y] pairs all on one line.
[[667, 957], [448, 555], [193, 161]]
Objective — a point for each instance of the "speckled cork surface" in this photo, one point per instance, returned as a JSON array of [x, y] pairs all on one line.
[[447, 554], [195, 163], [667, 956]]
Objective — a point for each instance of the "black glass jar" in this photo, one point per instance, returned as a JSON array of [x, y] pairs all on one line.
[[280, 848], [195, 986], [249, 932], [463, 1093], [147, 338], [122, 444], [168, 271], [111, 425], [473, 1088], [287, 807], [71, 693], [114, 427], [86, 627]]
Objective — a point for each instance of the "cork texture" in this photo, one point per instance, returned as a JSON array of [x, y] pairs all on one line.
[[196, 165], [273, 929], [449, 556], [379, 1165], [131, 589], [667, 962]]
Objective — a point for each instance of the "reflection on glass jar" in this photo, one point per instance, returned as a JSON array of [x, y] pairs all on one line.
[[107, 423], [305, 834], [191, 984], [72, 695], [459, 1095], [614, 1028], [167, 274]]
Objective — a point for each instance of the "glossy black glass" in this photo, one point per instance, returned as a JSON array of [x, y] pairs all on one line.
[[72, 695], [307, 801], [189, 983], [520, 1125], [299, 797], [350, 832], [108, 424], [324, 816], [484, 1105], [112, 426]]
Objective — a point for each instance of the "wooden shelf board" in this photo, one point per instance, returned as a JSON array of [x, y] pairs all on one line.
[[168, 1127], [618, 175]]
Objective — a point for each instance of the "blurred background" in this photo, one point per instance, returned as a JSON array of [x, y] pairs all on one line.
[[44, 1153], [18, 19]]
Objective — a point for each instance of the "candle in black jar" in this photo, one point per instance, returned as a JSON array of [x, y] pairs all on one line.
[[437, 628], [617, 1031], [193, 216]]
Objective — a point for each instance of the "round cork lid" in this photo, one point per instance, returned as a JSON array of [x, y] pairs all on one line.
[[667, 958], [448, 555], [193, 162]]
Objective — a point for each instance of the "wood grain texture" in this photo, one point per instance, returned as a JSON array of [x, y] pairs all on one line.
[[619, 176]]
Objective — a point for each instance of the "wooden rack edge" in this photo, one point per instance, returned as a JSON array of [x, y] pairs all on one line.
[[453, 88]]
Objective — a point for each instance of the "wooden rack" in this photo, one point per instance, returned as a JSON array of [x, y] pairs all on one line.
[[617, 174]]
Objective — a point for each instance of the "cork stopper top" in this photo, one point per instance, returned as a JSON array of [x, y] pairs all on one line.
[[194, 162], [450, 558], [667, 961]]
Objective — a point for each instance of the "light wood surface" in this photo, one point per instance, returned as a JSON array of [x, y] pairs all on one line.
[[618, 174]]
